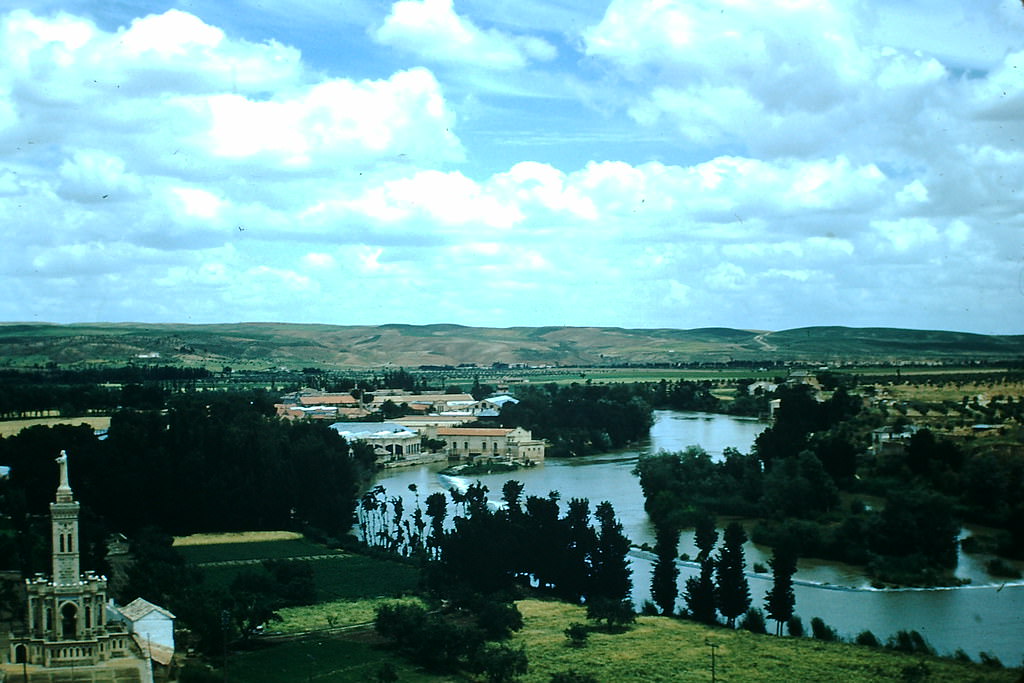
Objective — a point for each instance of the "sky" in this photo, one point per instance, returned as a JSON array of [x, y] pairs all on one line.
[[757, 164]]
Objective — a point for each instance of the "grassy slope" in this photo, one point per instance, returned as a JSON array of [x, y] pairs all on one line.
[[270, 345], [655, 650], [659, 649]]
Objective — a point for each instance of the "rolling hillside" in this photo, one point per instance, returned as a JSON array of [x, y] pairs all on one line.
[[270, 345]]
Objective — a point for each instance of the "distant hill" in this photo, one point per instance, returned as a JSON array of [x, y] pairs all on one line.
[[266, 345]]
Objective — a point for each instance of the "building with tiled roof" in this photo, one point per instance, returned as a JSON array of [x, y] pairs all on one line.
[[492, 443]]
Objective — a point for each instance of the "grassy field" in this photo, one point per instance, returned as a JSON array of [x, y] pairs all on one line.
[[12, 427], [235, 537], [333, 614], [655, 650], [338, 575], [253, 550], [355, 658]]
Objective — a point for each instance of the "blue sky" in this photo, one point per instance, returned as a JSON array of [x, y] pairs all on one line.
[[641, 163]]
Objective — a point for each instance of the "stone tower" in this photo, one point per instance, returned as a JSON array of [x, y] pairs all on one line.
[[66, 621]]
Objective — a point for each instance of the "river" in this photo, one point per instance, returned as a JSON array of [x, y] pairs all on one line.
[[986, 616]]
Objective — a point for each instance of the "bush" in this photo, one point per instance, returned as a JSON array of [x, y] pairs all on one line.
[[990, 660], [909, 641], [753, 621], [615, 613], [997, 567], [795, 627], [577, 634], [197, 673], [572, 676], [821, 631], [499, 620], [760, 568], [867, 638], [500, 663]]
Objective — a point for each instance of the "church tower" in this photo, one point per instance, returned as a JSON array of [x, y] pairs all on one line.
[[66, 612], [64, 524]]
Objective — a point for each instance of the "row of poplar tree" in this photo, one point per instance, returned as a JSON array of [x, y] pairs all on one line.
[[721, 587], [490, 548]]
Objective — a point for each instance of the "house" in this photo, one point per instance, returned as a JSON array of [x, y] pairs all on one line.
[[151, 627], [390, 440], [498, 443]]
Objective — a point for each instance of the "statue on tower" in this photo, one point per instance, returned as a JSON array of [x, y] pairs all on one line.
[[64, 486]]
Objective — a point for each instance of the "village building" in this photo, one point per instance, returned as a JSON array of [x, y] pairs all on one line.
[[496, 444], [390, 440], [67, 615]]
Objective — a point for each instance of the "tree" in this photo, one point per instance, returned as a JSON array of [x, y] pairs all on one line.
[[611, 573], [732, 589], [664, 588], [780, 600], [501, 663], [699, 592]]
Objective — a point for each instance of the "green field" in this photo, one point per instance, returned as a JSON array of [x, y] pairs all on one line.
[[339, 576], [271, 550]]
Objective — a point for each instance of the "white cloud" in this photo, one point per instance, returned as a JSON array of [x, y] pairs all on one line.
[[433, 30]]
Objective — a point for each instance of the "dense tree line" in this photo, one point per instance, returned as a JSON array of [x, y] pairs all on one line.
[[792, 480], [579, 419], [473, 546], [209, 462]]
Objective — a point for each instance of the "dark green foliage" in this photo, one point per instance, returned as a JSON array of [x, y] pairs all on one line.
[[753, 621], [572, 676], [212, 462], [867, 638], [915, 672], [699, 594], [500, 663], [194, 672], [781, 600], [580, 419], [611, 576], [616, 614], [822, 631], [732, 591], [795, 627], [909, 641], [577, 633], [498, 620], [798, 486], [429, 639], [918, 523], [664, 577]]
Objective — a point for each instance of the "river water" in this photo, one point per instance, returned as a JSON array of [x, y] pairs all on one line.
[[986, 616]]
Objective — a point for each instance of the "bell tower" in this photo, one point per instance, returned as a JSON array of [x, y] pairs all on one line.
[[64, 526]]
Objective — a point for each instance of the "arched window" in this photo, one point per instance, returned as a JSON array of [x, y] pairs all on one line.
[[88, 617], [71, 543], [62, 542], [21, 654]]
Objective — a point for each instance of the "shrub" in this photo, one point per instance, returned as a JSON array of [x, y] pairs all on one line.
[[821, 631], [577, 634], [615, 613], [867, 638], [499, 620], [795, 627], [909, 641], [572, 676], [501, 663], [753, 621], [990, 660]]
